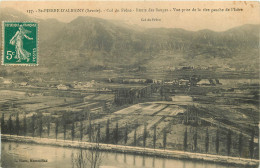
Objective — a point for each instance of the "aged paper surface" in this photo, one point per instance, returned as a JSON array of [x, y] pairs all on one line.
[[92, 84]]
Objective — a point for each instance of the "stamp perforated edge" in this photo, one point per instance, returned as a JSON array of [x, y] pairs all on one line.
[[37, 44]]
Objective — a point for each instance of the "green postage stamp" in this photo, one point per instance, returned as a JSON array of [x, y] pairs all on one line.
[[20, 43]]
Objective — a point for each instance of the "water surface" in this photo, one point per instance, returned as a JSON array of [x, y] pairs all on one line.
[[19, 155]]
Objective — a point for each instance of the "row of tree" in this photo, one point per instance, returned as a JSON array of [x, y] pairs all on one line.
[[217, 142], [116, 135]]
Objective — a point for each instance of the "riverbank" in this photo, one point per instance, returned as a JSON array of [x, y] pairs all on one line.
[[135, 150]]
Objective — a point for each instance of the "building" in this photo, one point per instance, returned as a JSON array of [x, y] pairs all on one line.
[[62, 87]]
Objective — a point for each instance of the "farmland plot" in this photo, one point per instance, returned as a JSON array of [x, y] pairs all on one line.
[[129, 110], [150, 121], [19, 101], [153, 109], [164, 124], [172, 110]]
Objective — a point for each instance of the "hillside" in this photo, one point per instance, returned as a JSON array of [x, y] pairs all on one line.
[[88, 43]]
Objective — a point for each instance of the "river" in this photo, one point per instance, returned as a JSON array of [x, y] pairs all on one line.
[[21, 155]]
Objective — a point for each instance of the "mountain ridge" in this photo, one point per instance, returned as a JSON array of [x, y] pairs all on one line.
[[89, 42]]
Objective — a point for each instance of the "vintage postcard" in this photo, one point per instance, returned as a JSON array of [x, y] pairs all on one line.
[[128, 84]]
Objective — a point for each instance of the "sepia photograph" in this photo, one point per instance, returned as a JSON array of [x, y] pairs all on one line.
[[129, 84]]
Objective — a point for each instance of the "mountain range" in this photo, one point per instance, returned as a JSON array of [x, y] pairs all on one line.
[[88, 43]]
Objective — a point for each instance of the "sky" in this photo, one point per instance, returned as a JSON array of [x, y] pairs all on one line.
[[210, 15]]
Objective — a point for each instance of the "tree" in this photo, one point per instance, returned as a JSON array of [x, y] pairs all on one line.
[[64, 123], [33, 125], [105, 108], [48, 126], [90, 131], [116, 134], [40, 126], [91, 158], [98, 134], [107, 132], [185, 140], [72, 131], [195, 140], [3, 123], [154, 137], [56, 128], [207, 141], [135, 142], [164, 139], [64, 131], [24, 125], [251, 144], [81, 130], [86, 113], [217, 141], [240, 143], [144, 135], [126, 133], [10, 125], [229, 142]]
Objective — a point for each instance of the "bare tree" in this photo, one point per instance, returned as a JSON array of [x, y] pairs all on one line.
[[90, 158], [79, 159]]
